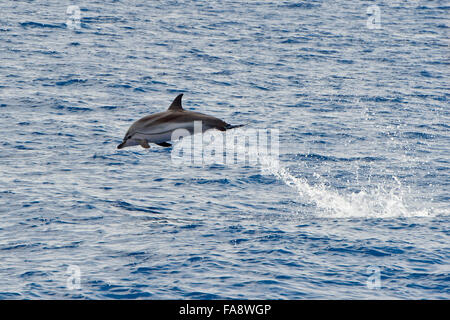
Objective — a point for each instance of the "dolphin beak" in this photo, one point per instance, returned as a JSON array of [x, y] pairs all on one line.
[[120, 146]]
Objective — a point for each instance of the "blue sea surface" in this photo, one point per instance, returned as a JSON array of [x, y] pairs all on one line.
[[358, 206]]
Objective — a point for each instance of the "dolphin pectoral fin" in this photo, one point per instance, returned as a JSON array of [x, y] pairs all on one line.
[[144, 144], [164, 144]]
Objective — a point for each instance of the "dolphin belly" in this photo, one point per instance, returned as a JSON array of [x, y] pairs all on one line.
[[165, 133], [162, 133]]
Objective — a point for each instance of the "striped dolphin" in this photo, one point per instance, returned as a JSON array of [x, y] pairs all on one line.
[[158, 128]]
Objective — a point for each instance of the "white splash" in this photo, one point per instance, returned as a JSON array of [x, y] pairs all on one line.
[[378, 202]]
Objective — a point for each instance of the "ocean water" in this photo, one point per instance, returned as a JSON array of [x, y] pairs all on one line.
[[356, 207]]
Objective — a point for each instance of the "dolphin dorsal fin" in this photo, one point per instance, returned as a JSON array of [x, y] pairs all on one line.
[[176, 104]]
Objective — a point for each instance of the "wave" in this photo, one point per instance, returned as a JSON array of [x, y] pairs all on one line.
[[32, 24]]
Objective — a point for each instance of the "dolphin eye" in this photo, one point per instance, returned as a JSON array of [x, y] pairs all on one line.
[[129, 137]]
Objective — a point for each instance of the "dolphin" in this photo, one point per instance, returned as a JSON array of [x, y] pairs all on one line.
[[158, 128]]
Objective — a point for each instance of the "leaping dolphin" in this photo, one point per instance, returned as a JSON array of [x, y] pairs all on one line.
[[158, 128]]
